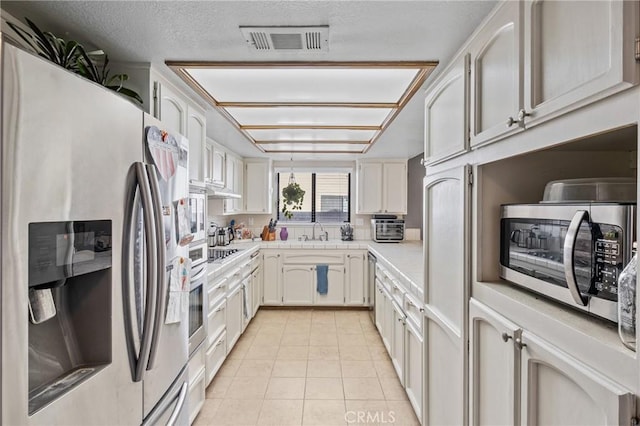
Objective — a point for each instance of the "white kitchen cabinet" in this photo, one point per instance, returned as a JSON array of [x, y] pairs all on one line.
[[381, 187], [234, 176], [247, 297], [215, 356], [216, 321], [335, 287], [369, 176], [397, 340], [496, 75], [379, 306], [197, 378], [257, 193], [234, 316], [493, 374], [580, 396], [298, 284], [447, 113], [171, 107], [355, 282], [576, 53], [516, 373], [387, 322], [216, 156], [271, 278], [447, 280], [413, 366], [256, 282], [197, 136]]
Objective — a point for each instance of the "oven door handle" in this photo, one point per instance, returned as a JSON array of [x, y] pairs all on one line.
[[201, 272], [569, 261]]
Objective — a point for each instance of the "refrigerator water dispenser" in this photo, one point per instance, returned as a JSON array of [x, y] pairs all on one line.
[[70, 283]]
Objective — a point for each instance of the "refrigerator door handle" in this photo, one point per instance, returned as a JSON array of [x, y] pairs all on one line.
[[151, 270], [160, 282], [130, 220], [179, 405]]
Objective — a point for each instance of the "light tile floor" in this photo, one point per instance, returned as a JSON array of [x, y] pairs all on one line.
[[307, 367]]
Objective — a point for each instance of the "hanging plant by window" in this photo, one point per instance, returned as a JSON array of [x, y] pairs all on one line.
[[292, 198], [72, 56]]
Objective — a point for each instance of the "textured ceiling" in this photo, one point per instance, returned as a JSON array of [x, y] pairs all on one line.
[[145, 31]]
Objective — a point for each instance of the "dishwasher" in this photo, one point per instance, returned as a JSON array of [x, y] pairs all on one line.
[[372, 285]]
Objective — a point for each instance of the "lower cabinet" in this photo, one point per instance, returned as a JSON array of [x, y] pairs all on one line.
[[397, 340], [355, 278], [517, 377], [335, 287], [413, 366], [215, 356], [246, 300], [271, 277], [297, 284], [256, 296], [197, 377], [234, 316]]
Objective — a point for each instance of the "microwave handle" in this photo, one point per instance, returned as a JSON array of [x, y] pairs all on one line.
[[569, 250]]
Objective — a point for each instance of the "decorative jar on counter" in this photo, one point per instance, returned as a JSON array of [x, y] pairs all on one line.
[[284, 234]]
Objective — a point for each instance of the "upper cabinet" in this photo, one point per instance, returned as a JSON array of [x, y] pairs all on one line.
[[177, 111], [447, 114], [234, 183], [257, 186], [576, 53], [197, 135], [381, 186], [215, 163], [496, 75]]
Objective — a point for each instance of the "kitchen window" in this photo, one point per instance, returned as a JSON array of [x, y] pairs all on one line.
[[327, 197]]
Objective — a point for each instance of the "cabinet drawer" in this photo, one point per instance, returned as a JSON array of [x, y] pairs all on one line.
[[255, 261], [196, 394], [215, 356], [216, 290], [216, 321], [396, 291], [313, 257], [414, 311], [196, 363], [233, 279], [245, 271]]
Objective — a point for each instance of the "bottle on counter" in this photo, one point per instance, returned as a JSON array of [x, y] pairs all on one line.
[[627, 302]]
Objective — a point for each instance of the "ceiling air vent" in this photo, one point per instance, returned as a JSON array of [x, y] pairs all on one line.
[[314, 38]]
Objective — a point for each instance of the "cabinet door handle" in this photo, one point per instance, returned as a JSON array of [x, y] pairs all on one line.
[[505, 337], [519, 343], [519, 118]]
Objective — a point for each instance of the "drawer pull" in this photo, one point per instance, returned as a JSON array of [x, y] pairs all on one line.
[[222, 308], [221, 341]]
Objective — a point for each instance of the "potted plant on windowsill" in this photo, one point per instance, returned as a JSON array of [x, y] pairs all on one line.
[[292, 198]]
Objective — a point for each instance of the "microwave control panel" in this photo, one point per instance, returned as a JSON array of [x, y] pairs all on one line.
[[608, 262]]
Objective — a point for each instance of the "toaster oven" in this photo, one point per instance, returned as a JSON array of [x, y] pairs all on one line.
[[387, 230]]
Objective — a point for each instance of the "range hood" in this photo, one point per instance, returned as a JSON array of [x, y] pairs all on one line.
[[217, 192]]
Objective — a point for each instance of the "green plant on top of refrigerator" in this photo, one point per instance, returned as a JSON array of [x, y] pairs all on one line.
[[71, 55]]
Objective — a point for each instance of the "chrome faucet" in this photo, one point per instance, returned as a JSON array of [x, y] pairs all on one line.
[[322, 232]]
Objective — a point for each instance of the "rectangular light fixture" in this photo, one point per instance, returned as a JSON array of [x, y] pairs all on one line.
[[349, 103]]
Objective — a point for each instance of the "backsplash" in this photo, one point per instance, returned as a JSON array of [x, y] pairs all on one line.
[[256, 222]]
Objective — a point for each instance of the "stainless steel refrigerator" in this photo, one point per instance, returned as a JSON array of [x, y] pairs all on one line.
[[91, 333]]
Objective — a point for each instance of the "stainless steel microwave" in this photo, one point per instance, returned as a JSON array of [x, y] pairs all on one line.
[[570, 252]]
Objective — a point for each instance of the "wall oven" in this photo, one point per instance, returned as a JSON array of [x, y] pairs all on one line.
[[197, 215], [197, 331], [572, 253]]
